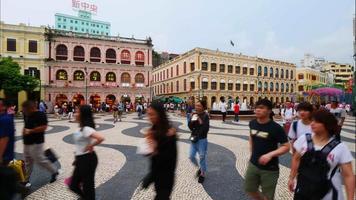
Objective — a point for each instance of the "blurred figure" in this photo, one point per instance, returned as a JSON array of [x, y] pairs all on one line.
[[189, 110], [7, 135], [42, 106], [288, 115], [199, 125], [139, 110], [163, 141], [115, 112], [223, 107], [236, 111], [70, 110], [321, 162], [33, 138], [86, 161], [340, 114]]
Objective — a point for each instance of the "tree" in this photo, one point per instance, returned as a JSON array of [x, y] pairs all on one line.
[[12, 81]]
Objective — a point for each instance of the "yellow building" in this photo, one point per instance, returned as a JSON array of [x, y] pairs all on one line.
[[26, 45], [343, 72], [308, 77], [209, 74]]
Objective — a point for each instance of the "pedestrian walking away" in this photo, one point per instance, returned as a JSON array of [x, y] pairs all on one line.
[[267, 141], [163, 142], [236, 111], [223, 107], [86, 161], [33, 138], [199, 125], [340, 114], [321, 164]]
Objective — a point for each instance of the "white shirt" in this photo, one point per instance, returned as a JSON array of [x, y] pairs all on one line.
[[302, 129], [222, 106], [339, 113], [82, 139], [288, 114], [339, 155]]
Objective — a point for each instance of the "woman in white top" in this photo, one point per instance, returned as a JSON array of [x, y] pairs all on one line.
[[338, 159], [83, 179], [223, 107]]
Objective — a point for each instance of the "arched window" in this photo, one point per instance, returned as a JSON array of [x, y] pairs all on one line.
[[291, 74], [78, 75], [287, 74], [110, 56], [265, 86], [95, 76], [287, 87], [125, 78], [291, 88], [271, 86], [78, 54], [139, 78], [282, 87], [265, 71], [260, 86], [62, 75], [282, 73], [271, 72], [125, 57], [61, 52], [259, 71], [277, 73], [277, 87], [110, 77], [140, 58], [95, 54]]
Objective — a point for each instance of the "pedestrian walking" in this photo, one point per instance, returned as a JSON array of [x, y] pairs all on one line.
[[139, 110], [321, 162], [268, 141], [340, 114], [199, 125], [121, 108], [223, 107], [288, 114], [7, 135], [115, 111], [189, 110], [86, 161], [33, 138], [42, 106], [70, 110], [163, 142], [236, 111]]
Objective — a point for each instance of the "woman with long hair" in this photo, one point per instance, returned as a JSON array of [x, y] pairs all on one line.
[[321, 162], [163, 142], [86, 161]]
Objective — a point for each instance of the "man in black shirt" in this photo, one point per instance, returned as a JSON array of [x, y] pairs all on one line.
[[265, 136], [33, 138]]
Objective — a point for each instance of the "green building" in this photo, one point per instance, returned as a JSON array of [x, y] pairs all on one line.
[[83, 23]]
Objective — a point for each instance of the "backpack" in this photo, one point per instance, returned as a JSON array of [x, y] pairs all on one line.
[[313, 182], [294, 127]]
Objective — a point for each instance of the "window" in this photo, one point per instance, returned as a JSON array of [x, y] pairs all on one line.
[[213, 67], [204, 85], [287, 87], [259, 71], [61, 75], [64, 26], [265, 86], [271, 86], [252, 71], [265, 71], [230, 69], [313, 77], [177, 86], [95, 54], [33, 71], [230, 86], [244, 87], [171, 71], [11, 44], [71, 21], [78, 75], [171, 87], [260, 86], [300, 76], [177, 70], [238, 86], [282, 73], [125, 57], [222, 85], [277, 87], [125, 78], [110, 56], [300, 88], [185, 84], [59, 26], [271, 72], [59, 19], [61, 52], [95, 76], [204, 66], [78, 54], [75, 28], [139, 78], [244, 70], [291, 88], [277, 74], [252, 87], [32, 46], [237, 69], [192, 67], [222, 68], [291, 74], [213, 85], [287, 74], [184, 68], [139, 58], [110, 77], [71, 28], [192, 85]]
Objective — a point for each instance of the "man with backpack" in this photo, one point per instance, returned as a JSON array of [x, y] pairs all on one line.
[[301, 126], [321, 162], [267, 142], [288, 115]]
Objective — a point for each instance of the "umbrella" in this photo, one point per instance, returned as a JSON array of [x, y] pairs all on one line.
[[176, 100], [328, 91]]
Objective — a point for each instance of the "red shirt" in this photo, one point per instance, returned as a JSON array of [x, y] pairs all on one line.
[[237, 108]]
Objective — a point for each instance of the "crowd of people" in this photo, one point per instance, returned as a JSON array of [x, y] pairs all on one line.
[[321, 163]]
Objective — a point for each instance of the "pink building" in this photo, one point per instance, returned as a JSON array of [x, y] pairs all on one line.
[[94, 69]]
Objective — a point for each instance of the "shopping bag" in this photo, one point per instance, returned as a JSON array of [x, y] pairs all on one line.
[[19, 167]]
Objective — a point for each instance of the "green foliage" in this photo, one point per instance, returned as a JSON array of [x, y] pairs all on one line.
[[12, 81]]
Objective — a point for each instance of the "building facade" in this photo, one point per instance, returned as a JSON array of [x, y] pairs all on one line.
[[311, 61], [83, 23], [92, 69], [308, 78], [342, 72], [26, 45], [210, 75]]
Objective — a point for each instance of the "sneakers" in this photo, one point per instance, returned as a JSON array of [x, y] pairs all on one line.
[[27, 184], [201, 179], [54, 177], [198, 173]]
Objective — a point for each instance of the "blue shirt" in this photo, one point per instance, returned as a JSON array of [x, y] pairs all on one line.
[[7, 129]]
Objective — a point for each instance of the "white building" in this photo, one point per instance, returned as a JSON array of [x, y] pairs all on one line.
[[311, 61]]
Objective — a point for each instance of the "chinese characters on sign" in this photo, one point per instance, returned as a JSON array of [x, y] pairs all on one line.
[[82, 5]]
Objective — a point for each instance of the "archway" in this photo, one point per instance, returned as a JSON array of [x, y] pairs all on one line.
[[110, 100], [213, 100], [282, 99], [95, 100], [78, 99], [61, 98], [252, 102]]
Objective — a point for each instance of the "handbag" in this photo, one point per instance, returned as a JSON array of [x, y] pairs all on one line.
[[194, 138], [51, 156]]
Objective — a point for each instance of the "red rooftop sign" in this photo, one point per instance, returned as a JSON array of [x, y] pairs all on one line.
[[85, 6]]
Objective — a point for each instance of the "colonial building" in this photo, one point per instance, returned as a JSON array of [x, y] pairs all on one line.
[[96, 69], [26, 45], [209, 74], [308, 78], [343, 72]]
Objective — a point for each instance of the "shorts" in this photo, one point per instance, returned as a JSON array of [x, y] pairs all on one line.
[[116, 113], [256, 177]]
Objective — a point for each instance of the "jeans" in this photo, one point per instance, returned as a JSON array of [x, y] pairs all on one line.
[[188, 117], [223, 116], [83, 179], [236, 117], [200, 147]]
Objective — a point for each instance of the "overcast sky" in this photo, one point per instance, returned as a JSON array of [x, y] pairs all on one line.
[[279, 29]]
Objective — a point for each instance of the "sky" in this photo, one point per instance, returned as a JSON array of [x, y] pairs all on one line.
[[277, 29]]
